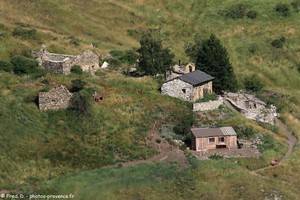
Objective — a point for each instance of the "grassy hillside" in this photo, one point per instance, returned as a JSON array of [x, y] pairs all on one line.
[[41, 146]]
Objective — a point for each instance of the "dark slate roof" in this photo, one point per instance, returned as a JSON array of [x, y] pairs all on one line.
[[211, 132], [196, 78]]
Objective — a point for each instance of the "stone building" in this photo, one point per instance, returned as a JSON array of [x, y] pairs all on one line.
[[189, 87], [57, 98], [205, 139], [61, 63]]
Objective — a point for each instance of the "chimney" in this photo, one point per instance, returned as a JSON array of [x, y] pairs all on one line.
[[179, 62]]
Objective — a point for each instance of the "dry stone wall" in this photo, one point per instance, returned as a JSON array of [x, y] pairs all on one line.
[[206, 106]]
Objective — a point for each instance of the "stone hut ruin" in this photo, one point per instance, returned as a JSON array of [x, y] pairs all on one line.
[[252, 107], [57, 98], [62, 64]]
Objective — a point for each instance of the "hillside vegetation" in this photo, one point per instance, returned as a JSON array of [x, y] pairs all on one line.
[[41, 148]]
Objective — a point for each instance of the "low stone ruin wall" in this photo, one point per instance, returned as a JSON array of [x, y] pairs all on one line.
[[206, 106]]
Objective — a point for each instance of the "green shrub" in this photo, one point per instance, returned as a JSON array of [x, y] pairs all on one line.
[[126, 57], [183, 128], [282, 9], [76, 69], [6, 66], [253, 48], [252, 14], [253, 83], [245, 132], [81, 102], [25, 33], [77, 85], [267, 143], [216, 157], [296, 5], [24, 65], [278, 43], [237, 11]]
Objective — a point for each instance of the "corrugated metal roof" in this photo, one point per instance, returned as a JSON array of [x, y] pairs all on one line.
[[210, 132], [228, 130], [196, 77]]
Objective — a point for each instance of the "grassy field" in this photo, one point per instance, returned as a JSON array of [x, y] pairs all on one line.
[[40, 147]]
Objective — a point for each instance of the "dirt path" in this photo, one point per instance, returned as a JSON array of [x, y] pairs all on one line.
[[291, 141], [166, 151]]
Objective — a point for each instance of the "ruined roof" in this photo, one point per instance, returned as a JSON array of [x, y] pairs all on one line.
[[58, 89], [196, 78], [210, 132]]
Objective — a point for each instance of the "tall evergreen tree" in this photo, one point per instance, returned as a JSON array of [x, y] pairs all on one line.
[[213, 59], [153, 58]]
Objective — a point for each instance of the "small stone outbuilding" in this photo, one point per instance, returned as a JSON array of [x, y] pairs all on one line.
[[179, 70], [189, 87], [57, 98], [62, 64], [205, 139]]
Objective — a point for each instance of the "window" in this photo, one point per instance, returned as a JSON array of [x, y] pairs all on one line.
[[211, 140], [221, 139], [184, 91]]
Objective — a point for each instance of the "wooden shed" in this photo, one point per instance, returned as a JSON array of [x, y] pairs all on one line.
[[214, 138]]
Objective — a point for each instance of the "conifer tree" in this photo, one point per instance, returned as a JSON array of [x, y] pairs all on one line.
[[212, 58], [153, 58]]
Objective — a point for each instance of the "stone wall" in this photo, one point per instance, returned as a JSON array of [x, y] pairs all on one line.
[[200, 91], [88, 61], [57, 98], [206, 106], [179, 89]]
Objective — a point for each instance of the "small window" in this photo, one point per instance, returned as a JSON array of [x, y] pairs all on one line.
[[221, 139], [184, 91], [211, 140]]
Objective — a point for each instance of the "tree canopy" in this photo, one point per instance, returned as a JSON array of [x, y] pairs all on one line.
[[212, 58], [153, 57]]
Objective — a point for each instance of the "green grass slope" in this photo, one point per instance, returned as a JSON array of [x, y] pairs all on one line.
[[36, 147]]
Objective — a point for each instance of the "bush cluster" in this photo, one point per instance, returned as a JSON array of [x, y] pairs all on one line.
[[6, 66], [296, 5], [245, 132], [76, 69], [278, 43], [77, 85], [282, 9], [25, 33], [239, 11], [24, 65]]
